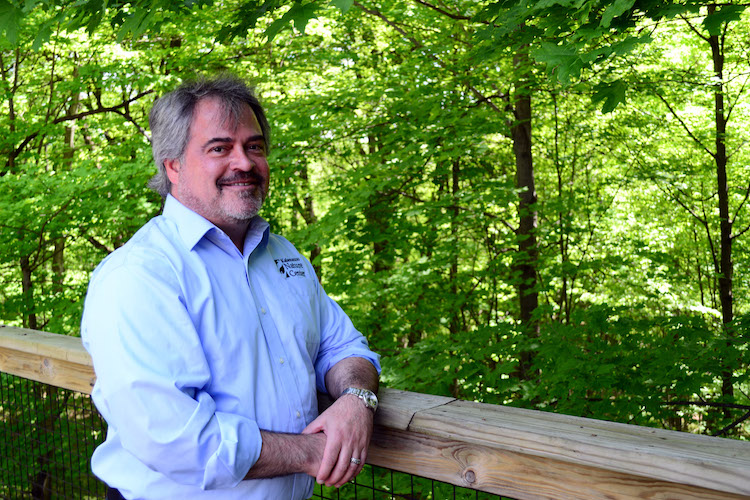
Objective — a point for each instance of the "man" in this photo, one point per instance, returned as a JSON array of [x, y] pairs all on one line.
[[210, 335]]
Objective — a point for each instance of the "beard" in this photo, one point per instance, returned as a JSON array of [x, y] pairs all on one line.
[[250, 204], [226, 205], [244, 205]]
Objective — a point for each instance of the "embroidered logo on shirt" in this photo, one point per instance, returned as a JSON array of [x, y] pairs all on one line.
[[290, 266]]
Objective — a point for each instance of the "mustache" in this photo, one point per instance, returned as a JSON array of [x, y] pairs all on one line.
[[251, 176]]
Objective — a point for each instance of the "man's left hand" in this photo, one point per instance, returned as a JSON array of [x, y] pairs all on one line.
[[347, 425]]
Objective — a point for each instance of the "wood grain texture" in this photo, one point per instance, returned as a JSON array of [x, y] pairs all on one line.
[[520, 453], [708, 462], [397, 408], [518, 475], [49, 370], [51, 345]]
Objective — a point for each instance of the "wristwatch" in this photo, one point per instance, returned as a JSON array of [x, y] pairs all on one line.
[[368, 397]]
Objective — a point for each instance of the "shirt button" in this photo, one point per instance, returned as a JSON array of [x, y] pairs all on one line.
[[263, 310], [299, 414], [281, 360]]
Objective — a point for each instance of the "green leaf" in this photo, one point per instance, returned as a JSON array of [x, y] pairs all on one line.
[[616, 9], [298, 14], [10, 20], [134, 23], [724, 14], [343, 5], [563, 60], [301, 15], [274, 28], [611, 93], [42, 36]]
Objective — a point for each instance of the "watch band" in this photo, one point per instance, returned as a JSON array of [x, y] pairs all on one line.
[[368, 397]]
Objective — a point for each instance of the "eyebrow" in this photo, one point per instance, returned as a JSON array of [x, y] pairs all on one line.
[[254, 138]]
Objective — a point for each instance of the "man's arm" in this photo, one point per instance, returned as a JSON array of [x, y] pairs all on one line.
[[283, 454], [151, 372], [347, 423], [330, 442]]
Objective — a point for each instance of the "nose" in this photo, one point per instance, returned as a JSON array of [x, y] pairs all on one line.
[[241, 160]]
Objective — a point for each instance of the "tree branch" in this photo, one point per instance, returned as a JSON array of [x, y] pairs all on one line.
[[480, 97], [731, 426], [684, 125], [717, 268], [693, 28], [98, 245], [443, 12], [390, 23], [740, 91], [129, 118], [77, 116], [708, 404], [733, 406], [739, 208]]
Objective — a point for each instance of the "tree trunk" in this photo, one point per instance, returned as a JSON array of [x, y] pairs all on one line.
[[526, 233], [455, 322], [58, 266], [10, 163], [376, 216], [378, 222], [726, 266], [310, 219], [29, 316]]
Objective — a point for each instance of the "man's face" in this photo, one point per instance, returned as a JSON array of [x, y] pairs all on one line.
[[223, 175]]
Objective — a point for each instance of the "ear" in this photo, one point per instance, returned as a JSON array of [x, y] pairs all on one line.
[[172, 167]]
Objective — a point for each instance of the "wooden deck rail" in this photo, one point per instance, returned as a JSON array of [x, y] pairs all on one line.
[[519, 453]]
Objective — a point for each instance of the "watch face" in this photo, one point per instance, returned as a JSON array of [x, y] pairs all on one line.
[[368, 398]]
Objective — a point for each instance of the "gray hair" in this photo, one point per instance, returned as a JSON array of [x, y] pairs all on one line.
[[172, 114]]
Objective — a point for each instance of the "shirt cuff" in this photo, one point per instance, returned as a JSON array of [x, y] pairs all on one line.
[[324, 364], [239, 450]]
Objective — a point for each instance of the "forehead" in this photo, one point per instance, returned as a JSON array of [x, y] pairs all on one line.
[[213, 115]]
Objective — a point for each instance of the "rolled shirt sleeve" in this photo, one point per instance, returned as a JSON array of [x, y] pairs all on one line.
[[151, 378], [339, 340], [197, 346]]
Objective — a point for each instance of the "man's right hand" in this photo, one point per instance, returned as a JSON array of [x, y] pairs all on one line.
[[283, 454]]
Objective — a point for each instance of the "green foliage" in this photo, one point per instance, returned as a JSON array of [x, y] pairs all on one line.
[[724, 14], [608, 364], [393, 168]]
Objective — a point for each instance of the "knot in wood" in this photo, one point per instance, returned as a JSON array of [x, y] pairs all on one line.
[[470, 476], [48, 368]]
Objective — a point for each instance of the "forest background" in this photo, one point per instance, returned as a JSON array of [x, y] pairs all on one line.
[[540, 203]]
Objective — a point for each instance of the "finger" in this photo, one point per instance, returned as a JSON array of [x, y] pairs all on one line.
[[313, 427], [363, 458], [356, 468], [329, 461], [344, 468]]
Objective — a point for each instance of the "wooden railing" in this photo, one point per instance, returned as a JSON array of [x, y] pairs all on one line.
[[514, 452]]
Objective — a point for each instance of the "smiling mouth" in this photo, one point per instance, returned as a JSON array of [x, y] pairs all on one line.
[[251, 180]]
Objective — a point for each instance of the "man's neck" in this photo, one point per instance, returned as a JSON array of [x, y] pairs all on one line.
[[237, 233]]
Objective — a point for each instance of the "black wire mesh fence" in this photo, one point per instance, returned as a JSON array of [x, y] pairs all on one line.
[[376, 483], [47, 436]]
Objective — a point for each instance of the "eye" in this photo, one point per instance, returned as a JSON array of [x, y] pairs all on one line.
[[218, 149]]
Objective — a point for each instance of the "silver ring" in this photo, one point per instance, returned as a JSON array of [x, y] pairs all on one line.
[[355, 461]]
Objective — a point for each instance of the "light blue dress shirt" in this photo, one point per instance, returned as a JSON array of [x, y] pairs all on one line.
[[197, 347]]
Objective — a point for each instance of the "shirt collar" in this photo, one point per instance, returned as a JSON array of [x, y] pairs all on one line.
[[192, 227]]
